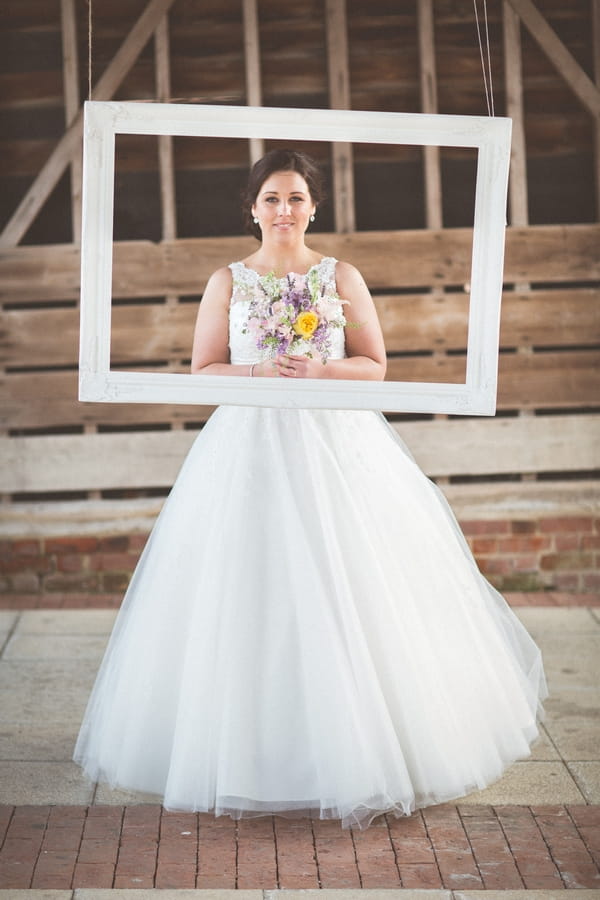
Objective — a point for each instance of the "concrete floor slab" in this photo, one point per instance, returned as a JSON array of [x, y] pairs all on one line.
[[544, 750], [35, 895], [576, 894], [107, 796], [573, 723], [337, 894], [31, 690], [587, 776], [66, 621], [55, 646], [571, 661], [359, 894], [39, 739], [157, 894], [559, 619], [530, 782], [43, 783], [7, 622], [50, 665]]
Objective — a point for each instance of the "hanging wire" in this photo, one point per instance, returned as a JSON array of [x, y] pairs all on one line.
[[89, 4], [486, 67]]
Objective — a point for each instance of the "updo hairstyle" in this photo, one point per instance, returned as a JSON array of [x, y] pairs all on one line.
[[279, 161]]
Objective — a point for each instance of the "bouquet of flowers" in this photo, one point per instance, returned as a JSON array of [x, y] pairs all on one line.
[[290, 314]]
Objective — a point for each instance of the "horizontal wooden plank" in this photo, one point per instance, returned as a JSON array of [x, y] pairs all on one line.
[[410, 322], [441, 448], [521, 500], [525, 380], [46, 400], [550, 318], [549, 380], [137, 153], [544, 318], [389, 259], [35, 274]]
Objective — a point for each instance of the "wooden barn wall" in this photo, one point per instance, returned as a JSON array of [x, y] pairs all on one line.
[[177, 203]]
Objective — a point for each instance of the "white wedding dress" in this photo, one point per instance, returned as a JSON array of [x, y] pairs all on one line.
[[306, 630]]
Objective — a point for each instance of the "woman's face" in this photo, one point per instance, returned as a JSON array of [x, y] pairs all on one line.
[[283, 205]]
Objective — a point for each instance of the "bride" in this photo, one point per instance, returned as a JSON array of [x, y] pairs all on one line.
[[306, 632]]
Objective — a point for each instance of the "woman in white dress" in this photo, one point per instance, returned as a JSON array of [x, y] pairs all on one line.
[[307, 631]]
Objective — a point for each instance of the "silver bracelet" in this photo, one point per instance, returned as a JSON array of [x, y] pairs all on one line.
[[252, 370]]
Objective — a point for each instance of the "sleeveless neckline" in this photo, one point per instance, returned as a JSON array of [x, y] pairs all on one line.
[[288, 274]]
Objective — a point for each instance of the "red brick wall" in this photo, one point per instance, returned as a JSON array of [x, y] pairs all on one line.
[[557, 553]]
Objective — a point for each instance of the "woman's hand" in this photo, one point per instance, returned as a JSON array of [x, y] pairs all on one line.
[[265, 369], [289, 366]]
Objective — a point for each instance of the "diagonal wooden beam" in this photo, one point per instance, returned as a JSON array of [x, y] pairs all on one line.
[[562, 60], [68, 145]]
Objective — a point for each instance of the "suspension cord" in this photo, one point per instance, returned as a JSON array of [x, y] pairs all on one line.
[[486, 61]]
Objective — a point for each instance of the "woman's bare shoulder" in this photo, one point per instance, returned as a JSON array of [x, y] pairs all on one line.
[[219, 285], [347, 274], [221, 277]]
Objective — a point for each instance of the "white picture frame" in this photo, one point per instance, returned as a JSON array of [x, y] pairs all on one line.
[[489, 136]]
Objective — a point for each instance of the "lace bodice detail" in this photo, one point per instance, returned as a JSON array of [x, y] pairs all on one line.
[[246, 282]]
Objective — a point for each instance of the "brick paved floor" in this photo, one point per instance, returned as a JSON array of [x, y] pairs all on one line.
[[457, 848]]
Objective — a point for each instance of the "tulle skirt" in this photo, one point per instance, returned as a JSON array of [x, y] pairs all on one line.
[[307, 632]]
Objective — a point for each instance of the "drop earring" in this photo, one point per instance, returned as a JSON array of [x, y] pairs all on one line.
[[255, 220], [312, 218]]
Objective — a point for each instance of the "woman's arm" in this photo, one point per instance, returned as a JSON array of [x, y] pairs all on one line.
[[365, 349], [210, 351]]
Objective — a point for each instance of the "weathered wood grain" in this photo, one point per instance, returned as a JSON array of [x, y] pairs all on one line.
[[401, 259], [68, 145], [410, 322], [558, 54], [553, 380], [48, 400], [441, 447]]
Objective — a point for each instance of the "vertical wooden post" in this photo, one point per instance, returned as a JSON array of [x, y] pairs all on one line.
[[252, 61], [166, 167], [513, 81], [431, 155], [517, 185], [72, 105], [165, 141], [72, 101], [339, 98], [596, 52]]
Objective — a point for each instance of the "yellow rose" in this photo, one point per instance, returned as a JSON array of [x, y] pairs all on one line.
[[306, 324]]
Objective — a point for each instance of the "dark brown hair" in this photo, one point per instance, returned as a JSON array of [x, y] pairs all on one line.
[[279, 161]]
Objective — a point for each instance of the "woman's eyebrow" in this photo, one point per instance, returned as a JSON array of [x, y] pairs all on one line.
[[276, 193]]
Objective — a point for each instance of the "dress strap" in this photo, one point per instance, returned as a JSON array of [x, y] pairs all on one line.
[[326, 270], [244, 282]]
